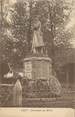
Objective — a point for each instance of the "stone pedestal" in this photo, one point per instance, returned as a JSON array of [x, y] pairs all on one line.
[[37, 68], [38, 71]]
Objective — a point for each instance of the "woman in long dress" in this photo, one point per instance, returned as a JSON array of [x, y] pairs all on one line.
[[37, 42]]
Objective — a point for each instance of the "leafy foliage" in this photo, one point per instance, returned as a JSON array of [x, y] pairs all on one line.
[[17, 34]]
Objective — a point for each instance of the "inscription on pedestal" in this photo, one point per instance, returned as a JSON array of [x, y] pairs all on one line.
[[28, 70]]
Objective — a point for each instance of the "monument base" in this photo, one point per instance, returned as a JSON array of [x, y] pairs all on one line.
[[37, 67], [39, 81]]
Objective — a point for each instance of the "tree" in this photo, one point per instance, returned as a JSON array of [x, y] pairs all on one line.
[[20, 27], [53, 19], [4, 25], [14, 33]]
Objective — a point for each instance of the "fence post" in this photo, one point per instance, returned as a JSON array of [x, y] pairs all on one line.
[[17, 94]]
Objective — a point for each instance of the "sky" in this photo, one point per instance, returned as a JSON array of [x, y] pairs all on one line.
[[71, 22], [71, 25]]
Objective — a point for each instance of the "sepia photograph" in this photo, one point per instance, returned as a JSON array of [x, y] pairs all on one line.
[[37, 53]]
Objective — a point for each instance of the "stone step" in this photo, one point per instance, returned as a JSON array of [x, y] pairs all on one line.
[[46, 103]]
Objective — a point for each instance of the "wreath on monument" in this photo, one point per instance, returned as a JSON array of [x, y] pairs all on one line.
[[55, 86]]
